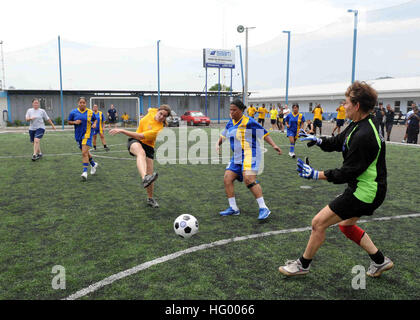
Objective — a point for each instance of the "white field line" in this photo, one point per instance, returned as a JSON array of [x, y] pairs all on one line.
[[123, 274]]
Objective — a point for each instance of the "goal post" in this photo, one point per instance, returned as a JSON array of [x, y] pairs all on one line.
[[129, 105]]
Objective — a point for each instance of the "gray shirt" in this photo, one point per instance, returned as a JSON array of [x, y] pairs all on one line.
[[40, 115]]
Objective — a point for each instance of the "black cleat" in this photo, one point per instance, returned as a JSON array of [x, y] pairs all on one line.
[[106, 149], [39, 155], [149, 179], [152, 203], [34, 157]]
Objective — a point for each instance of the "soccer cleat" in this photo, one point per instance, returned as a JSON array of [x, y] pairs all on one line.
[[39, 155], [264, 213], [152, 203], [293, 268], [149, 179], [34, 157], [375, 270], [106, 148], [230, 212], [93, 169], [84, 176], [292, 155]]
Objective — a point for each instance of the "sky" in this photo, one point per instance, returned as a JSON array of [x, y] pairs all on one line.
[[112, 45], [182, 23]]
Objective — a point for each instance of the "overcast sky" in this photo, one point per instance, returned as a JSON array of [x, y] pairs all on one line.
[[181, 23]]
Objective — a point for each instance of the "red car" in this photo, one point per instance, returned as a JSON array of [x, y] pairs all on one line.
[[195, 118]]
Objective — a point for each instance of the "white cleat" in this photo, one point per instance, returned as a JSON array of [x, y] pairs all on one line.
[[292, 155], [293, 268], [84, 176], [93, 169]]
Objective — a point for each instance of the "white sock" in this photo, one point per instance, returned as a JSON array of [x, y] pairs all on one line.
[[261, 202], [232, 203]]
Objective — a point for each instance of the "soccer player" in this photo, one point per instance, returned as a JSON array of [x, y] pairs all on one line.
[[318, 111], [125, 118], [273, 117], [99, 128], [364, 171], [262, 111], [280, 118], [112, 116], [294, 122], [286, 111], [141, 144], [243, 133], [85, 122], [251, 111], [341, 115], [36, 117]]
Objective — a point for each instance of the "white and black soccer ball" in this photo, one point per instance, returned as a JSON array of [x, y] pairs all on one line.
[[186, 225]]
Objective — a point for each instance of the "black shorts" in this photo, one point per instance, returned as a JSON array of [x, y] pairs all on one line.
[[112, 120], [340, 122], [347, 206], [318, 123], [150, 152], [261, 120], [273, 121]]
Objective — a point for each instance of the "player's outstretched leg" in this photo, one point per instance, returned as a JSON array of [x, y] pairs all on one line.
[[229, 178], [379, 262], [250, 180], [149, 171]]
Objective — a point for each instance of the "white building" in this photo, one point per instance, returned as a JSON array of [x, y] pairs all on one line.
[[400, 93]]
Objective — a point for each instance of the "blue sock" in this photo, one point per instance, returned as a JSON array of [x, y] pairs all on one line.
[[292, 148], [85, 167], [92, 163]]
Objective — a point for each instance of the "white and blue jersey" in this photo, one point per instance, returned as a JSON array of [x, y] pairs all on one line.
[[245, 141]]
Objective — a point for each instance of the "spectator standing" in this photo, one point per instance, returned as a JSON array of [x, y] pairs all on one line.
[[413, 126], [112, 116], [389, 121], [379, 117], [318, 111], [341, 116]]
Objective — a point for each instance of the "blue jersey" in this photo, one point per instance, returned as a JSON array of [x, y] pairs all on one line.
[[295, 122], [84, 130], [244, 137], [101, 122]]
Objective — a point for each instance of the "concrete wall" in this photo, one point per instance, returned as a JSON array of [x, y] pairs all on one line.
[[21, 102], [3, 107]]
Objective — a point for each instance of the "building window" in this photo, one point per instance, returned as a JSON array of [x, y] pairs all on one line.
[[310, 106], [397, 103], [409, 103]]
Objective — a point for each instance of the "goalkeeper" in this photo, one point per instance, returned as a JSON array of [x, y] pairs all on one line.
[[364, 171]]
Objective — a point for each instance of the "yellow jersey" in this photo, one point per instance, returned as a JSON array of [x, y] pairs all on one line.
[[251, 111], [318, 113], [341, 115], [261, 112], [273, 114], [150, 127], [125, 117]]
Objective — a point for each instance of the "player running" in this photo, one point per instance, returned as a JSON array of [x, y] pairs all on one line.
[[85, 122], [99, 128], [36, 117], [262, 111], [364, 170], [243, 133], [141, 144], [294, 122], [251, 111]]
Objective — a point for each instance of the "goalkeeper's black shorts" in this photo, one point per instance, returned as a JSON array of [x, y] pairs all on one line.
[[347, 206]]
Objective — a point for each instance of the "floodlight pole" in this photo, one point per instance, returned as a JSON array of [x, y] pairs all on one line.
[[353, 68], [3, 86], [246, 65], [242, 72], [61, 83], [288, 65], [158, 72]]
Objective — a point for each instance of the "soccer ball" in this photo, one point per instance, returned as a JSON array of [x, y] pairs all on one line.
[[186, 226]]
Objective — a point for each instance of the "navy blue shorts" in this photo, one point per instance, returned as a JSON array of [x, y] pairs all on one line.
[[340, 122], [38, 133]]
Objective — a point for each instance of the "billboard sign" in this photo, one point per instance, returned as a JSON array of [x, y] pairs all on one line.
[[217, 58]]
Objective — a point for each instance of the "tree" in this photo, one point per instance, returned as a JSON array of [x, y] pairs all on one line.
[[215, 87]]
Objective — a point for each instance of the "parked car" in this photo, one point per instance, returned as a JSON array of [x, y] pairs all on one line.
[[173, 120], [195, 118]]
